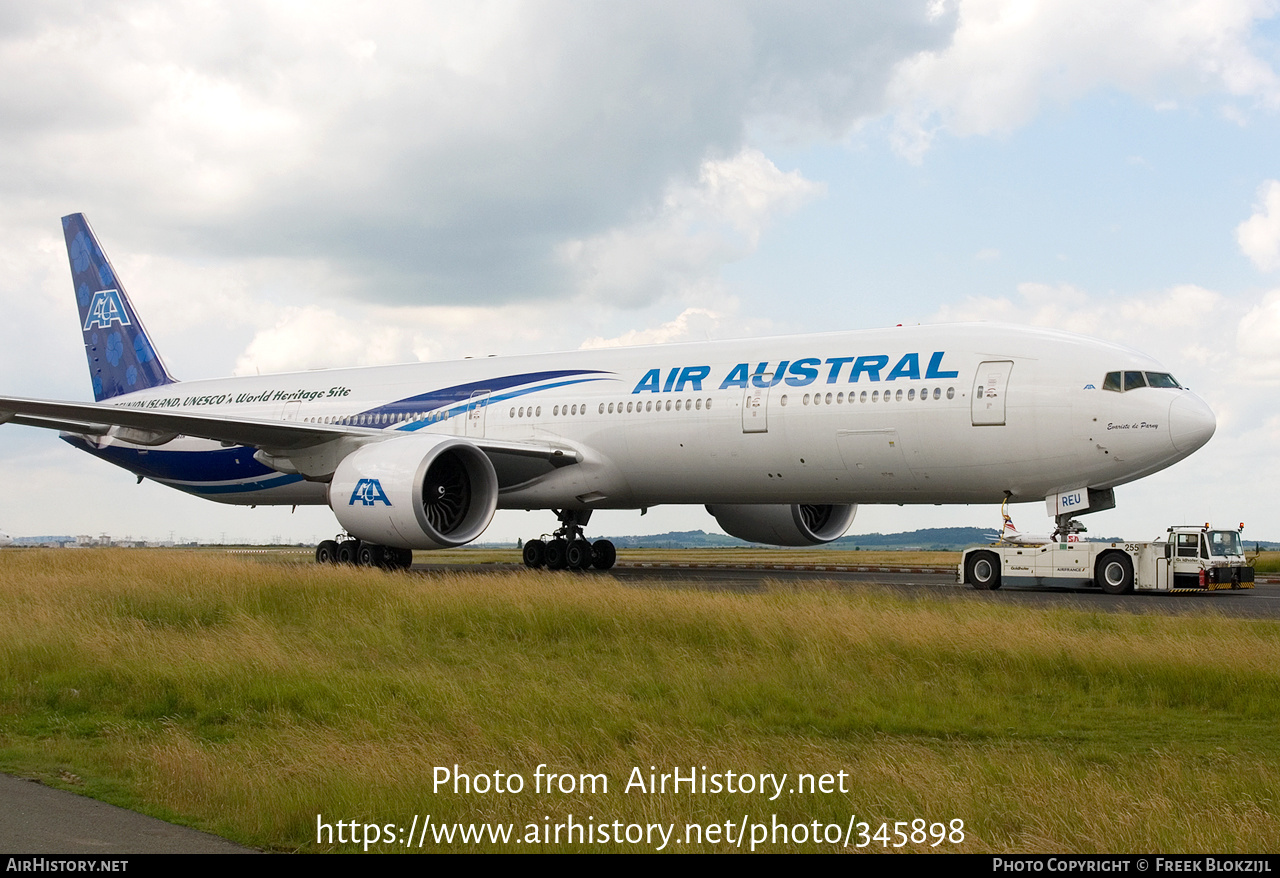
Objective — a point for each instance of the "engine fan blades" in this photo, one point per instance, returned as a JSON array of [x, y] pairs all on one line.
[[815, 517], [446, 493]]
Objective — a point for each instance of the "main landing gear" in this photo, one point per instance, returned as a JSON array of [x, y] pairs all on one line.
[[357, 553], [568, 549]]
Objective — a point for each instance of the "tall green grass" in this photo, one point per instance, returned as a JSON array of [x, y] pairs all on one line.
[[246, 698], [1266, 562]]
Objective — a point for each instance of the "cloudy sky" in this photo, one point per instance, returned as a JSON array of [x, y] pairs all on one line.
[[289, 185]]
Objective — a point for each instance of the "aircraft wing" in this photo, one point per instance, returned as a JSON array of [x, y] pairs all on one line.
[[156, 427], [98, 419]]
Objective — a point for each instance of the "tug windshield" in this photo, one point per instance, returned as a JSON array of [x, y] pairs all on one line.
[[1225, 542]]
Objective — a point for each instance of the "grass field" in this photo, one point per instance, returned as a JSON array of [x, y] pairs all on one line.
[[246, 696], [1266, 562]]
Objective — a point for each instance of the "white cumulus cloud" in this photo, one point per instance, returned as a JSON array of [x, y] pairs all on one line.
[[1258, 338], [292, 338], [1259, 235], [1008, 57], [1179, 325], [434, 151], [692, 324], [696, 230]]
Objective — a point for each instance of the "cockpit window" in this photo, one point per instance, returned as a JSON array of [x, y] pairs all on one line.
[[1122, 381], [1134, 379]]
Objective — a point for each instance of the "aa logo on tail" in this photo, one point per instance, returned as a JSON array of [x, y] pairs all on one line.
[[369, 492], [106, 309]]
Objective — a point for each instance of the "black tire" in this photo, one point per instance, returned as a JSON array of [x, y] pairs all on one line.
[[603, 554], [370, 555], [982, 571], [327, 552], [535, 554], [578, 555], [349, 552], [405, 558], [557, 551], [388, 557], [1114, 573]]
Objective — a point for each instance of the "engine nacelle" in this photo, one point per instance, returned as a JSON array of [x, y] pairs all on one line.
[[800, 524], [415, 492]]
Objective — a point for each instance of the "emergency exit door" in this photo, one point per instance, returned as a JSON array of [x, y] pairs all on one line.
[[990, 387]]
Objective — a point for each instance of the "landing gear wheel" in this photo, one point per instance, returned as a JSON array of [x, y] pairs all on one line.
[[535, 554], [603, 554], [567, 547], [557, 555], [394, 558], [982, 571], [327, 552], [578, 555], [349, 552], [370, 555], [1114, 573]]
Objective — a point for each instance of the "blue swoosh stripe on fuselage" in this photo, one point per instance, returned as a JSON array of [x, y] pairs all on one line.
[[279, 481], [462, 392], [234, 470], [218, 471], [453, 400], [212, 466], [462, 409]]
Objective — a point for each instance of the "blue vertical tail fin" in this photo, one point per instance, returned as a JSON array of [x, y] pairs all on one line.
[[121, 356]]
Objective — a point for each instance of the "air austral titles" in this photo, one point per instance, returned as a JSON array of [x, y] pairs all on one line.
[[780, 438]]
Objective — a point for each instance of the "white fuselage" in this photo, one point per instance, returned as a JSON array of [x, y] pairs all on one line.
[[880, 416]]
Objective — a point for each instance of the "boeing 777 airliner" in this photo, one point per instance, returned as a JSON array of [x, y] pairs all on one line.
[[779, 438]]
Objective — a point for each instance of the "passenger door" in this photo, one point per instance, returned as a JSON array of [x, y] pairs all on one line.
[[476, 408], [755, 405], [990, 386]]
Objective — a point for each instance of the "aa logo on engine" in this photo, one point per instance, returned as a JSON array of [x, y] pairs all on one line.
[[369, 492], [106, 309]]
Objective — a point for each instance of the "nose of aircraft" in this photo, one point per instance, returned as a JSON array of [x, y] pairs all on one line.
[[1191, 422]]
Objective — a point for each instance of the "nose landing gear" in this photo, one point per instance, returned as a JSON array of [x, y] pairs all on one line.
[[568, 549]]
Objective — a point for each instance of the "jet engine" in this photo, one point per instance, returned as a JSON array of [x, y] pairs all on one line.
[[800, 524], [415, 492]]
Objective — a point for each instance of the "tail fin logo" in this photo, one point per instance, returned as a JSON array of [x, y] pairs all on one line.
[[106, 309], [369, 492]]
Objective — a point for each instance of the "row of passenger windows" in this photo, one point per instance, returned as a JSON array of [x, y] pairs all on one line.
[[559, 411], [376, 420], [899, 395], [612, 408], [1122, 381], [574, 410], [649, 405]]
